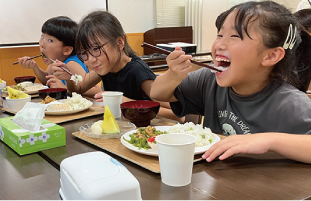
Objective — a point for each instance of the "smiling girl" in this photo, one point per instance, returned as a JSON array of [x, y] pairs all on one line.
[[257, 91], [57, 42], [102, 44]]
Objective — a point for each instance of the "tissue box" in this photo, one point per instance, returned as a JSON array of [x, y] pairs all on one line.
[[96, 176], [25, 142]]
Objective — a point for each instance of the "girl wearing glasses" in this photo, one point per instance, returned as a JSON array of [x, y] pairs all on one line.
[[101, 43]]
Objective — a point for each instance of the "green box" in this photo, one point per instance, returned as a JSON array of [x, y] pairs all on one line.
[[25, 142]]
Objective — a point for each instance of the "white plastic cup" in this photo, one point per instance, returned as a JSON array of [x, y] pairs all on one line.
[[176, 154], [113, 99]]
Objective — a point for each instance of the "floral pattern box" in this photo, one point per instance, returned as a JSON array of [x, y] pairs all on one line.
[[25, 142]]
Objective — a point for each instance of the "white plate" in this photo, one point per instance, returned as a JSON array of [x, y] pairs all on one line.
[[64, 112], [36, 91], [124, 127], [30, 92], [197, 150]]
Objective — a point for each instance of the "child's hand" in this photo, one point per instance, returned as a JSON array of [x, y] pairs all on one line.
[[53, 82], [28, 64], [99, 97], [59, 72], [247, 144], [179, 64]]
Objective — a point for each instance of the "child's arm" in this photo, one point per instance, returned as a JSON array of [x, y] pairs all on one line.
[[163, 87], [89, 79], [31, 64], [76, 68], [293, 146]]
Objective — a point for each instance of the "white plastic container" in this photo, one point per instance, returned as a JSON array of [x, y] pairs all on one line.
[[2, 85], [96, 176], [16, 105]]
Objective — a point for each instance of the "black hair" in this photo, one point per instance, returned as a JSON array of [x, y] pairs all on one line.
[[100, 25], [274, 21], [63, 28], [304, 17]]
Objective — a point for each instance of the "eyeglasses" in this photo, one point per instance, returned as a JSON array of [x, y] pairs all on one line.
[[95, 52]]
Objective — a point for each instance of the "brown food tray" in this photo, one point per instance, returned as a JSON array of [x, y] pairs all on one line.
[[92, 111], [116, 147]]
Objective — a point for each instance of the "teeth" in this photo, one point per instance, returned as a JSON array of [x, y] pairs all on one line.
[[221, 59], [219, 68]]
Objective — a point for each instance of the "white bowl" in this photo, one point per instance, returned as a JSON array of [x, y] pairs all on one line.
[[3, 85], [16, 105]]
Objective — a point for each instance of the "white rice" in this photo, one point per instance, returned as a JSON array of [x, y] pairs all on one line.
[[77, 102], [204, 135]]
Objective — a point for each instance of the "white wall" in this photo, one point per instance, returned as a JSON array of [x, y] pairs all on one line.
[[136, 16], [212, 8]]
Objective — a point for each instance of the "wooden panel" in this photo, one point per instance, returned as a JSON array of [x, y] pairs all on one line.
[[135, 40], [8, 57]]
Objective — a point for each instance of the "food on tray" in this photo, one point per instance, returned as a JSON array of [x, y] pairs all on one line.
[[76, 78], [77, 102], [2, 81], [16, 94], [108, 126], [47, 100], [153, 144], [34, 88], [17, 87], [142, 135], [204, 135], [58, 107], [26, 84]]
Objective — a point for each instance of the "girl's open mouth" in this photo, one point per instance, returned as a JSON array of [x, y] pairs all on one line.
[[222, 64]]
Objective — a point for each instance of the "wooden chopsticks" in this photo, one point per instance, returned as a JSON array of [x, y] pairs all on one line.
[[40, 55], [168, 52]]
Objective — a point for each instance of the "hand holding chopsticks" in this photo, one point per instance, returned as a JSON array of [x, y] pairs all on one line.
[[28, 59], [74, 77], [168, 52]]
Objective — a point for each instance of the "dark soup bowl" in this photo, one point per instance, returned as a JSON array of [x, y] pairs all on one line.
[[57, 93], [140, 112], [24, 79]]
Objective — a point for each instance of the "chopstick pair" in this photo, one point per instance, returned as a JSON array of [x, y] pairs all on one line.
[[65, 70], [40, 55], [168, 52]]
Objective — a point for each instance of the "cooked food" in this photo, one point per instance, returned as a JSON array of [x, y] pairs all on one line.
[[76, 78], [16, 94], [58, 107], [142, 135], [34, 88], [77, 102], [204, 135], [26, 84], [17, 87], [47, 100], [109, 125]]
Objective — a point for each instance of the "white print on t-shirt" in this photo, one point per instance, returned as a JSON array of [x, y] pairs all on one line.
[[227, 128]]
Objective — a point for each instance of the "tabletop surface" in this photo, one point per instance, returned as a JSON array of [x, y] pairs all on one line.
[[241, 177]]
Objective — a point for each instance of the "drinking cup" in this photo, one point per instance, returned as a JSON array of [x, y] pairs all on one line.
[[176, 154], [113, 99]]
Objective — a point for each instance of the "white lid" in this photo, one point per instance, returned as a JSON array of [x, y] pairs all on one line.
[[89, 167]]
